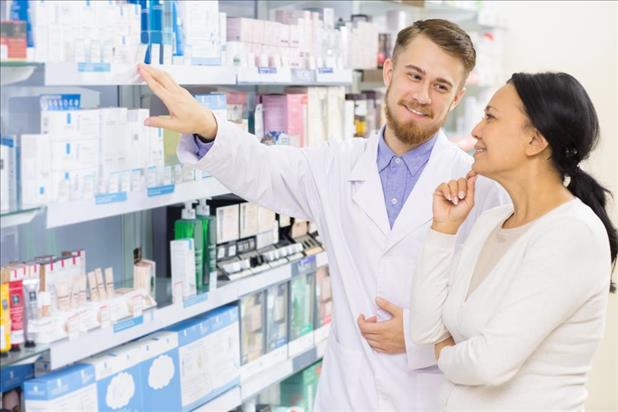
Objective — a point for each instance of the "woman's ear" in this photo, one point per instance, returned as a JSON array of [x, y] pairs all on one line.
[[536, 143]]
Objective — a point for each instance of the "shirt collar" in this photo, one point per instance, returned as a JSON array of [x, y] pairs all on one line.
[[412, 158]]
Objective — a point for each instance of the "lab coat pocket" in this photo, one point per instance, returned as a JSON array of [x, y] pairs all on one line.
[[340, 378]]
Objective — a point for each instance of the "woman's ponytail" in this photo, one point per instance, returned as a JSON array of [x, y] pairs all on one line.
[[589, 191], [561, 110]]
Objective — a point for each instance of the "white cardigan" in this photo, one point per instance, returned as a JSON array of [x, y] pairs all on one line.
[[526, 336]]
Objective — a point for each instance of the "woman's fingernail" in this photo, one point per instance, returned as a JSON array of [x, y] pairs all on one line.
[[462, 195]]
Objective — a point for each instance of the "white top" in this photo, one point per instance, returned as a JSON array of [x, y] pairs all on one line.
[[497, 244], [526, 336]]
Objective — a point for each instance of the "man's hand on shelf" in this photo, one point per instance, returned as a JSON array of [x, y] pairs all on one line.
[[186, 114]]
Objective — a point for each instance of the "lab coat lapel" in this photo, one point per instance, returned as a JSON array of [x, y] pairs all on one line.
[[367, 186], [417, 209]]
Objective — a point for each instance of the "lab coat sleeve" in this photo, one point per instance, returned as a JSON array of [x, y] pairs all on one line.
[[280, 178], [559, 271], [430, 286]]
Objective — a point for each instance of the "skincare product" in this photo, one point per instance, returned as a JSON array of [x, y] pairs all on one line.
[[109, 282], [188, 227]]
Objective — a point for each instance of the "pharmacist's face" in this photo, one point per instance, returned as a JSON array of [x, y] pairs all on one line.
[[423, 85], [505, 138]]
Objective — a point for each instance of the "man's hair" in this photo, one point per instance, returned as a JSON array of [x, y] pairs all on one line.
[[448, 36]]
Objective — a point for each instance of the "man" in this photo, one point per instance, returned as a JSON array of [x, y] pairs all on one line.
[[371, 201]]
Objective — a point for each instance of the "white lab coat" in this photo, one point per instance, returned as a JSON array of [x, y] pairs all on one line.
[[337, 186]]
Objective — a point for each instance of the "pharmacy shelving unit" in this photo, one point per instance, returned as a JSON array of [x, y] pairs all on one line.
[[107, 74], [68, 351], [102, 206]]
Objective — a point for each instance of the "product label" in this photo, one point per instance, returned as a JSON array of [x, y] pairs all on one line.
[[267, 70], [16, 298], [306, 265], [128, 323], [94, 67], [160, 190], [324, 70], [111, 198]]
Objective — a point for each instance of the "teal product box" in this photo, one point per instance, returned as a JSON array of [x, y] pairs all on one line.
[[69, 389], [160, 374]]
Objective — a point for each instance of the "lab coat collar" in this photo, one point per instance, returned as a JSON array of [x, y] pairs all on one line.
[[417, 210], [367, 191]]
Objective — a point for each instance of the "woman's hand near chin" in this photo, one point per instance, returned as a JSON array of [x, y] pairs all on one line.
[[452, 203]]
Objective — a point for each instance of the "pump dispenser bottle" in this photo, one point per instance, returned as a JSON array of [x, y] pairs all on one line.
[[188, 227], [210, 244]]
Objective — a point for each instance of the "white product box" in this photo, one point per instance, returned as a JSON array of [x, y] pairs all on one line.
[[114, 140], [139, 138], [209, 355], [8, 176], [118, 378], [73, 184], [227, 223], [156, 153], [161, 372], [249, 223], [35, 170], [182, 255], [59, 121], [200, 20], [71, 154], [68, 389]]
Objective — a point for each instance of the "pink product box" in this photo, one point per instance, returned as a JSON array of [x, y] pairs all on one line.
[[286, 113], [240, 29]]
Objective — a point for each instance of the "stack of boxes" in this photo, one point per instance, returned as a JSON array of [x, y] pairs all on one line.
[[178, 369], [83, 153]]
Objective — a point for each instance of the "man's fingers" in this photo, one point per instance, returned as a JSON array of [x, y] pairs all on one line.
[[160, 76], [157, 87], [164, 122], [388, 306]]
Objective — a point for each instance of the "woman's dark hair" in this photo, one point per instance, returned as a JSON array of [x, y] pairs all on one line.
[[561, 110]]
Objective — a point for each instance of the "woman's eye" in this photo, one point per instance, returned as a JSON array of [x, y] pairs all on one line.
[[488, 116]]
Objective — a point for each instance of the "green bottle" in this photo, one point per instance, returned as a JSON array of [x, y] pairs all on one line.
[[188, 227], [210, 244]]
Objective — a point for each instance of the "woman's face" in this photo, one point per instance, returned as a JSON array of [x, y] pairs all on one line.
[[503, 136]]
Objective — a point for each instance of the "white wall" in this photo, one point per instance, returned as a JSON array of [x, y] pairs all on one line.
[[580, 38]]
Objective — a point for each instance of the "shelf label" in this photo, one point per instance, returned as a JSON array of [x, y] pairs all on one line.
[[94, 67], [267, 70], [128, 323], [326, 70], [194, 300], [160, 190], [111, 198]]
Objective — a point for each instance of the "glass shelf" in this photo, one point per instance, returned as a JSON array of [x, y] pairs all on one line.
[[17, 217], [11, 358]]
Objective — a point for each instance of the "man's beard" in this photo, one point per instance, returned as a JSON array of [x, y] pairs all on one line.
[[410, 133]]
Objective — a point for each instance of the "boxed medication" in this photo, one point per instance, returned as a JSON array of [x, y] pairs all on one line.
[[69, 389], [160, 372]]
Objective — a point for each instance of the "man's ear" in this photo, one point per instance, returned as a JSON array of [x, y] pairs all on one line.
[[457, 99], [387, 71], [536, 143]]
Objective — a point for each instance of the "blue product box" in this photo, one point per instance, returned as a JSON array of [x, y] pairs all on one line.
[[160, 372], [69, 389], [118, 379]]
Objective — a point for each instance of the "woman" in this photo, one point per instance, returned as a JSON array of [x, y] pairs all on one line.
[[518, 313]]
